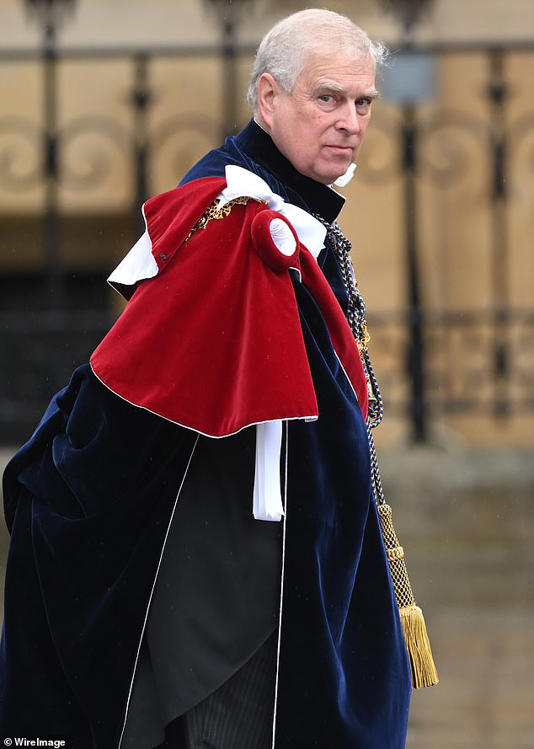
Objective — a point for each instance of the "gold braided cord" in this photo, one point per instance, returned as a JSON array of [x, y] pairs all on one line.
[[397, 566], [356, 316], [397, 553], [363, 343]]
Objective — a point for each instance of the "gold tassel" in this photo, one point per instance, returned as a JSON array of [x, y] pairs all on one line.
[[422, 665], [424, 672]]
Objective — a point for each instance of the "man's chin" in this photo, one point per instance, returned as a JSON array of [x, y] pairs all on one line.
[[329, 176]]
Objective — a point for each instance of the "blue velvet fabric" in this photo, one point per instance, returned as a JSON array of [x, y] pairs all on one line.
[[344, 679], [87, 501], [87, 523]]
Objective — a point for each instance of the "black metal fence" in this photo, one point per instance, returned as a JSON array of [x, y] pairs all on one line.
[[53, 319], [462, 360]]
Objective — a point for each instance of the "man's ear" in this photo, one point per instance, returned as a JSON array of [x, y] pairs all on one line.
[[267, 93]]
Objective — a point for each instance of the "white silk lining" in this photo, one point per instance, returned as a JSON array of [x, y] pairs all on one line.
[[282, 236], [137, 265]]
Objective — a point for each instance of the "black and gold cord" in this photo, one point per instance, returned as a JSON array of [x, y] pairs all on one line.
[[413, 624]]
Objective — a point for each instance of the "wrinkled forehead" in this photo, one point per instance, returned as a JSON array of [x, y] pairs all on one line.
[[319, 66], [348, 57]]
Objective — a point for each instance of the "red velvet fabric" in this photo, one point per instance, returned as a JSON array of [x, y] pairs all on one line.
[[214, 341], [171, 216]]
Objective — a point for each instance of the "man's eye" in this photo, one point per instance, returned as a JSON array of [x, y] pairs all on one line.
[[327, 98], [363, 105]]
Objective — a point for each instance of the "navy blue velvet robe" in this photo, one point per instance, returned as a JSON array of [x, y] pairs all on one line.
[[88, 521]]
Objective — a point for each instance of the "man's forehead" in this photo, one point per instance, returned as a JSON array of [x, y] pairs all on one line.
[[338, 71], [354, 76]]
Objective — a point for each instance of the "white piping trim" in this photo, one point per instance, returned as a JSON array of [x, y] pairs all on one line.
[[348, 378], [314, 417], [152, 591], [292, 267], [336, 192], [275, 711]]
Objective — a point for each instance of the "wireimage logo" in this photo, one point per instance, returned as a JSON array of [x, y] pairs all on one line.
[[22, 741]]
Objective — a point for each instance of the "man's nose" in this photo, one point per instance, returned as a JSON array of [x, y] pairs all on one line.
[[349, 119]]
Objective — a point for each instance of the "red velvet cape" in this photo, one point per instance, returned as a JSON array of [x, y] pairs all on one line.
[[213, 342]]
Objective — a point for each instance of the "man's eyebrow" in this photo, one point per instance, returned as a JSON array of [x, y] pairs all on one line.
[[371, 93]]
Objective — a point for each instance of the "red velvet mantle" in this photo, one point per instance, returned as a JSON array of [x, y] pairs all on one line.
[[214, 342]]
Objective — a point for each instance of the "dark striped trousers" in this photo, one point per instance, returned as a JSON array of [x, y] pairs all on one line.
[[238, 715]]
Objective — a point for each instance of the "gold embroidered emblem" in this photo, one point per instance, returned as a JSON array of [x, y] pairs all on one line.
[[214, 212]]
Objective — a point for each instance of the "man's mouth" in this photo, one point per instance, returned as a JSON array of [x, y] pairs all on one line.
[[341, 149]]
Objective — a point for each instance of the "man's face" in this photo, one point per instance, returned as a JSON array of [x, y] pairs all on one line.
[[320, 125]]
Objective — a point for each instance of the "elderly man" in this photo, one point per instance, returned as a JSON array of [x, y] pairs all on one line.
[[196, 557]]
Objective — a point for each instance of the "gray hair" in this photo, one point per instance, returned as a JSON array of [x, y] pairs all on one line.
[[284, 49]]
